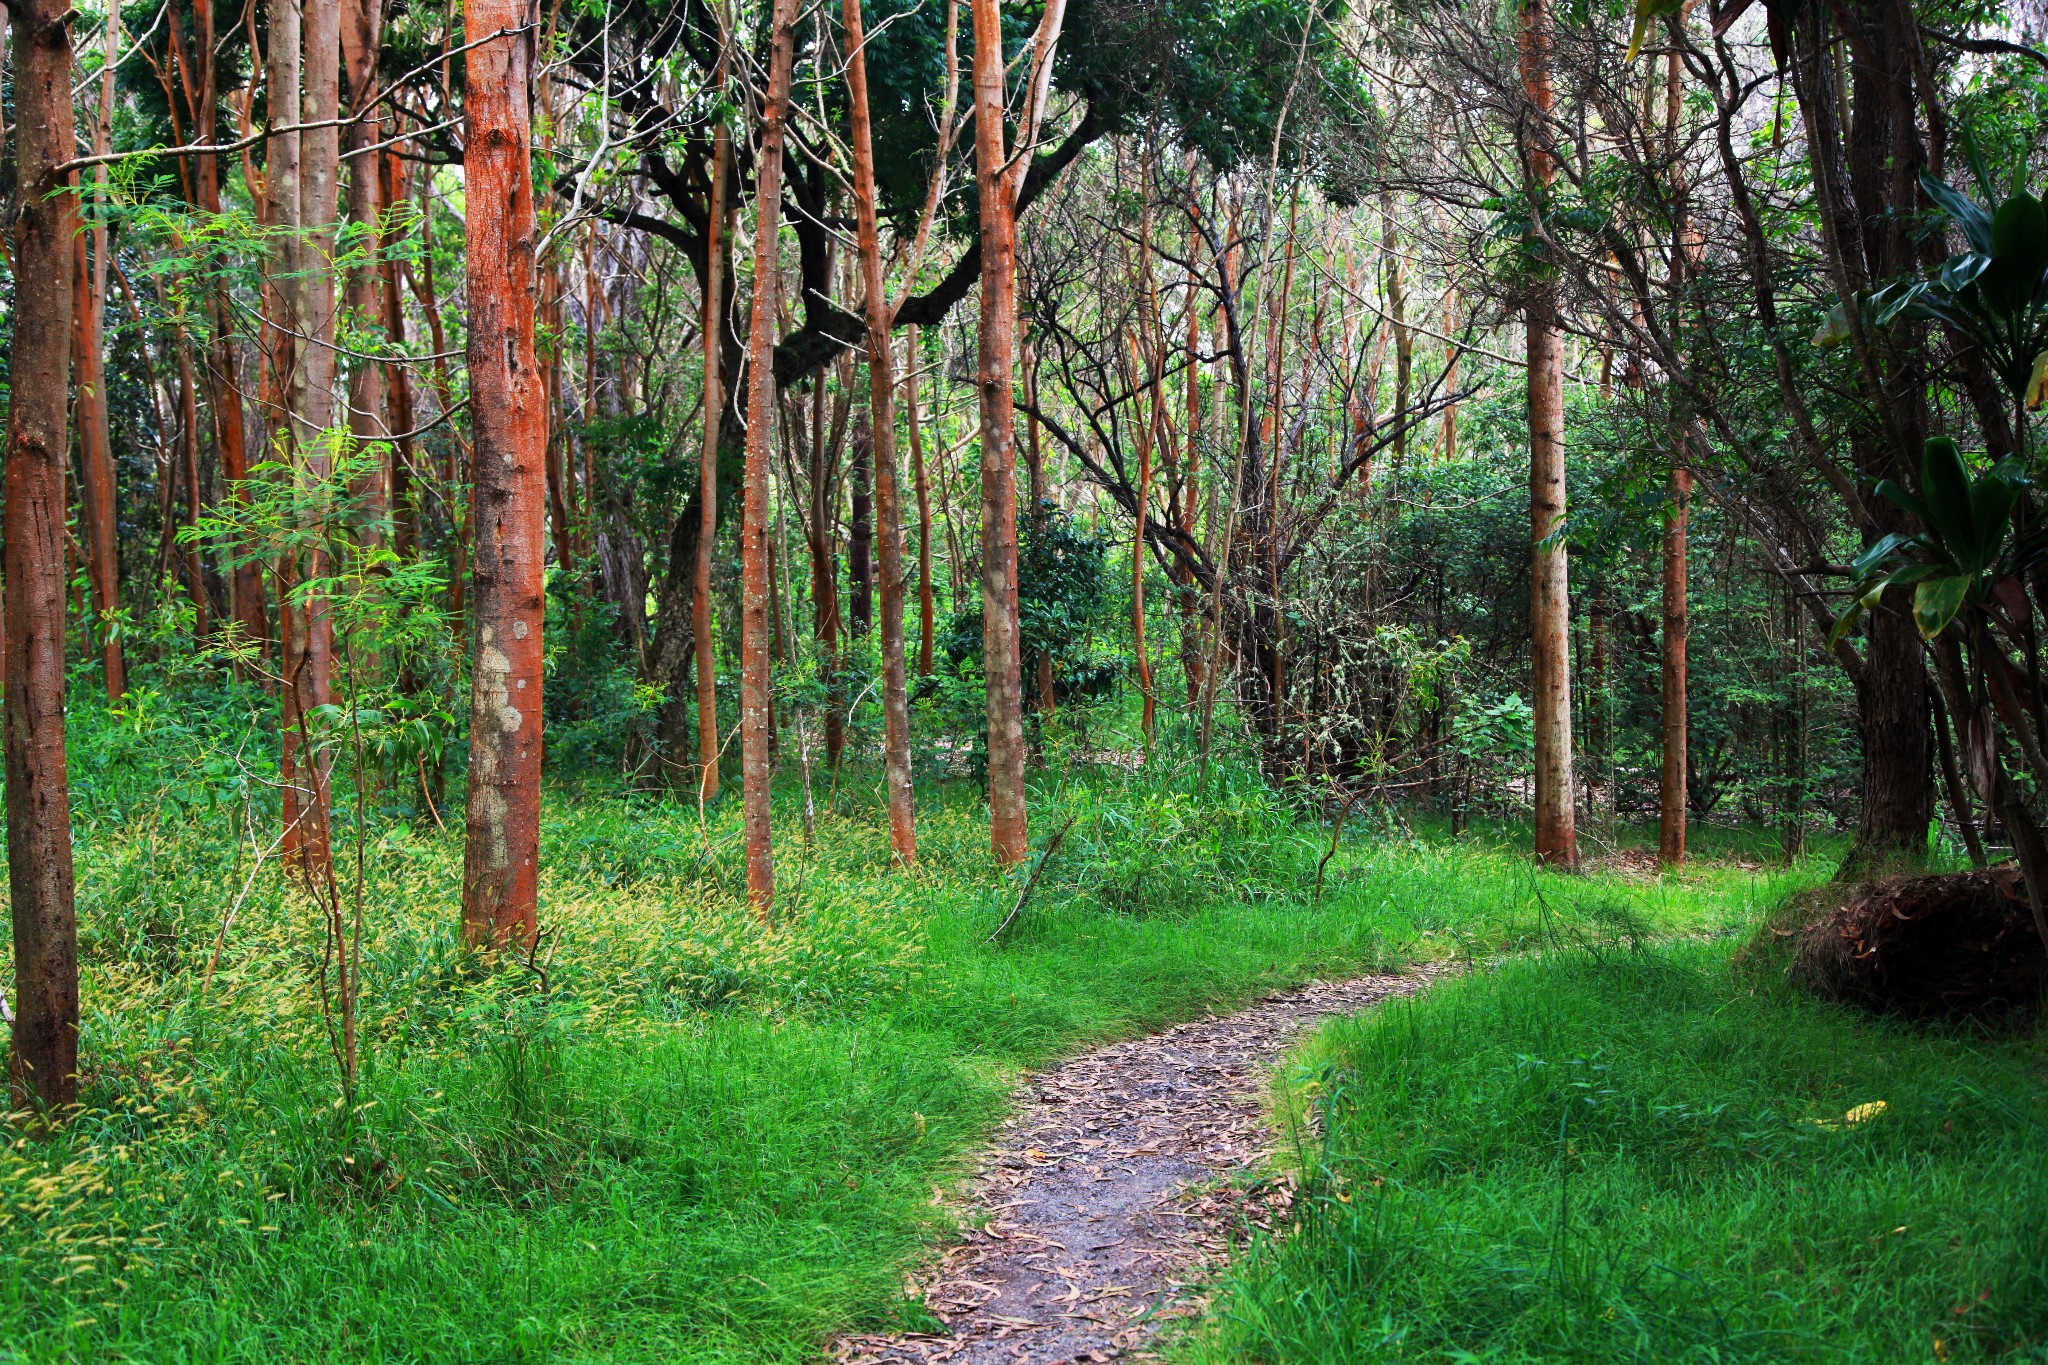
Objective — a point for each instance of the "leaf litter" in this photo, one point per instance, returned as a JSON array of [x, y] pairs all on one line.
[[1106, 1199]]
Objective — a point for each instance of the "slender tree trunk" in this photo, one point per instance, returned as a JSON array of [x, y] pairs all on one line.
[[1450, 438], [882, 421], [1599, 738], [860, 536], [460, 523], [822, 457], [1550, 603], [557, 461], [43, 1062], [508, 416], [1952, 782], [230, 435], [304, 844], [1009, 833], [756, 763], [714, 409], [1191, 593], [1671, 789], [362, 30], [1153, 358], [96, 459], [231, 440], [1034, 467], [405, 520], [925, 606], [1404, 338], [188, 451], [310, 647]]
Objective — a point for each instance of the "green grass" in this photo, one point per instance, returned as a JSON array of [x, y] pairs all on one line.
[[1623, 1156], [696, 1139]]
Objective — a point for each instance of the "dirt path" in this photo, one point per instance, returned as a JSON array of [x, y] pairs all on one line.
[[1101, 1192]]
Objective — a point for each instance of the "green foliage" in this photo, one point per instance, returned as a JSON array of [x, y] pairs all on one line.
[[1995, 293], [595, 704], [675, 1134], [1965, 553], [1063, 601]]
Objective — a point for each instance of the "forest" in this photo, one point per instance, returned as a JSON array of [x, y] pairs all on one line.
[[1024, 681]]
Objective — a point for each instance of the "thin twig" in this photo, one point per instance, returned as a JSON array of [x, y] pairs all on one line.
[[1336, 830], [1051, 847]]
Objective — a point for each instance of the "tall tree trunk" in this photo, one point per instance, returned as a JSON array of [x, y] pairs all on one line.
[[43, 1062], [304, 843], [96, 459], [925, 605], [1671, 795], [455, 449], [860, 536], [502, 853], [1009, 832], [188, 452], [1190, 590], [1550, 603], [224, 392], [822, 534], [1035, 510], [405, 512], [95, 444], [1153, 358], [1671, 788], [362, 32], [1404, 337], [310, 650], [756, 763], [716, 252], [1450, 437], [882, 452]]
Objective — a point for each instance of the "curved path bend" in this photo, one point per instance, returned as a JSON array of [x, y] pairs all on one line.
[[1101, 1200]]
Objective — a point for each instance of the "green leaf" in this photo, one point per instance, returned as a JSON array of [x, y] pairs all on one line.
[[1991, 503], [1960, 272], [1890, 490], [1834, 329], [2037, 384], [1647, 12], [1893, 300], [1871, 563], [1915, 573], [1945, 487], [2019, 255], [1846, 622], [1936, 601], [2020, 228], [1968, 214]]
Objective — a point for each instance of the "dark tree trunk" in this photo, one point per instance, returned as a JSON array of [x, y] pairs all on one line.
[[43, 1063], [1671, 789], [860, 537], [1866, 183]]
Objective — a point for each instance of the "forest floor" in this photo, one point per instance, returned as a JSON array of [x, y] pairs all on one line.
[[1116, 1188], [679, 1136]]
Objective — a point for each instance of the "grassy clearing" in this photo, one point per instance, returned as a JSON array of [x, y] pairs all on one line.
[[695, 1139], [1652, 1155]]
